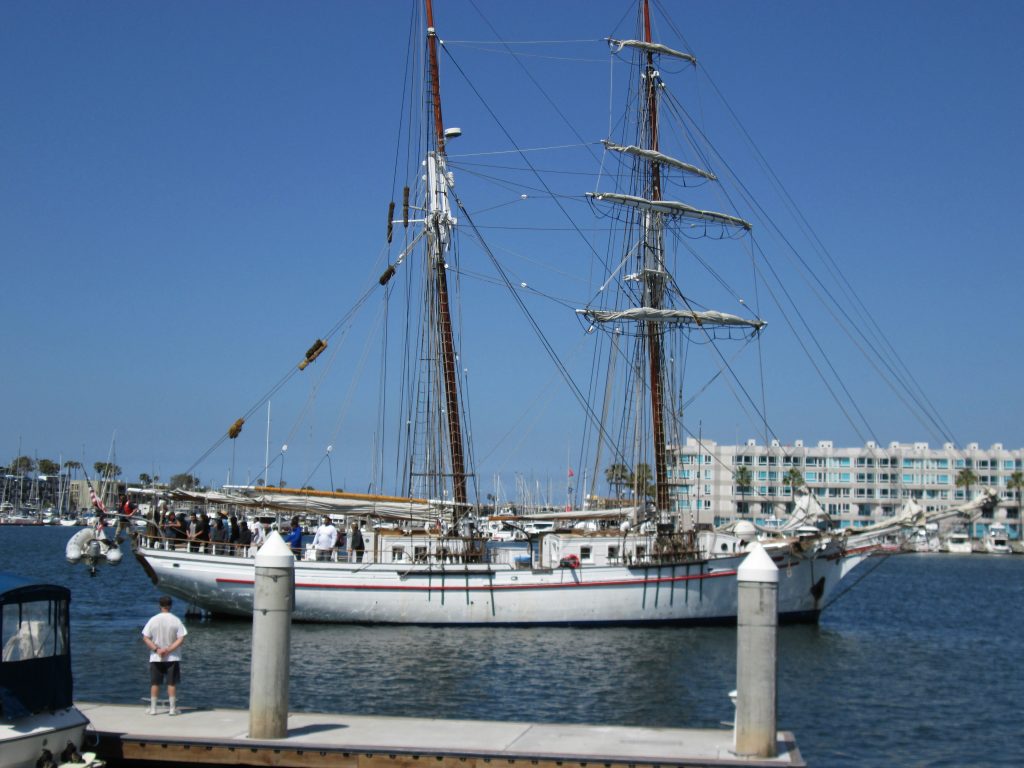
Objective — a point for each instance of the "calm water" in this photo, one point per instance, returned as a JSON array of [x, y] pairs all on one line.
[[914, 667]]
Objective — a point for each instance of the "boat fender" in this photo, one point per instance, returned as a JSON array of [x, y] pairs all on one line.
[[114, 555], [569, 561]]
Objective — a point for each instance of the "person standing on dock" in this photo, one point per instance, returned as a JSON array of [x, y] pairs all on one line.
[[164, 635]]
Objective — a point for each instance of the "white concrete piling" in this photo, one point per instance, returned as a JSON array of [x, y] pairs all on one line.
[[756, 655], [273, 601]]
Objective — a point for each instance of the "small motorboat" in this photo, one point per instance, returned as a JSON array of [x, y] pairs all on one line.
[[38, 721]]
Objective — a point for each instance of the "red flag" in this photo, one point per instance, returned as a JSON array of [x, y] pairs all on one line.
[[571, 473]]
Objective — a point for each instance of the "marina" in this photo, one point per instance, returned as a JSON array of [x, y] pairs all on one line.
[[573, 276], [876, 682]]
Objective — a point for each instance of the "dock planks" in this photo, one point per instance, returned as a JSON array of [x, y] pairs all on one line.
[[127, 735]]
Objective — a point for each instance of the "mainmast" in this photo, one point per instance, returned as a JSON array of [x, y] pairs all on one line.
[[439, 226], [654, 276]]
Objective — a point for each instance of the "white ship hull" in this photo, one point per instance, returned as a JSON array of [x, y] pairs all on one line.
[[501, 594]]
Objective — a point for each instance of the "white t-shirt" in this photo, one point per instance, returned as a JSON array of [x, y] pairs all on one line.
[[325, 537], [163, 629]]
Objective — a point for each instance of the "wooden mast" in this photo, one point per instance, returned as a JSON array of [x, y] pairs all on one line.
[[654, 281], [443, 306]]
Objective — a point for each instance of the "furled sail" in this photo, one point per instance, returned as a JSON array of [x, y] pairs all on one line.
[[385, 507], [659, 158], [680, 316], [671, 207], [618, 45]]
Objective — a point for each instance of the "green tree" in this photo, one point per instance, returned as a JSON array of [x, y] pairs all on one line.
[[965, 479], [642, 481], [48, 467], [145, 480], [743, 479], [106, 469], [185, 482], [72, 466], [23, 465], [617, 475], [794, 478]]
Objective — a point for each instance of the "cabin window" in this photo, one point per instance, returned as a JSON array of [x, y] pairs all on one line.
[[613, 552], [641, 552], [33, 630], [420, 554], [397, 554], [586, 554]]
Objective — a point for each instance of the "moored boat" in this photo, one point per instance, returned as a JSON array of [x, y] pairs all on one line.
[[36, 712], [996, 540], [425, 560]]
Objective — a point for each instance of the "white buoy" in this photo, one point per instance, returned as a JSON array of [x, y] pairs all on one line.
[[273, 601], [756, 654]]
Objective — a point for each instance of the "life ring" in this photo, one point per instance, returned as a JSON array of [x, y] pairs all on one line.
[[570, 561]]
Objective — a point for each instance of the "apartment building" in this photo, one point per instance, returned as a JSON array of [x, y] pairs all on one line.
[[856, 486]]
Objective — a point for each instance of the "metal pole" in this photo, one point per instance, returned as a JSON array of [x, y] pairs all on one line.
[[273, 602], [756, 655]]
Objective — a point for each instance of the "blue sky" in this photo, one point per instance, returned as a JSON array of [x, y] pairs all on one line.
[[192, 192]]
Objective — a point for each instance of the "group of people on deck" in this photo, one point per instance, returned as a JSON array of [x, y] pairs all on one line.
[[223, 534]]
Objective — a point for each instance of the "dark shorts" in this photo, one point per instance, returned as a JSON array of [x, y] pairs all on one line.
[[158, 670]]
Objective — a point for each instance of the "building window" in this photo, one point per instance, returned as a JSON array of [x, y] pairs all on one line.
[[586, 554]]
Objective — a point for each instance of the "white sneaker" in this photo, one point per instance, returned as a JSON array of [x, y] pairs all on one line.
[[172, 712], [151, 711]]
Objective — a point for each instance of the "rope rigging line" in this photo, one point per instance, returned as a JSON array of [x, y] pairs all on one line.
[[545, 343], [292, 371], [923, 405]]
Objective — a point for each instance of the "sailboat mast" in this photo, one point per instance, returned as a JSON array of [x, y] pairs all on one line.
[[654, 278], [440, 242]]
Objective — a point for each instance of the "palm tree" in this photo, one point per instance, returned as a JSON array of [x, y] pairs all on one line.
[[794, 479], [1016, 483], [966, 478], [641, 481], [743, 478], [617, 475]]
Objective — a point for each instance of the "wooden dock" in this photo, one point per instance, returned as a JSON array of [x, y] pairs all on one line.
[[128, 736]]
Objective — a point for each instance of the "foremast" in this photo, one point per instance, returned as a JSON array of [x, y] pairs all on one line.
[[439, 226]]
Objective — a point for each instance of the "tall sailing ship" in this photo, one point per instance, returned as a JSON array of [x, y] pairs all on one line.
[[429, 558]]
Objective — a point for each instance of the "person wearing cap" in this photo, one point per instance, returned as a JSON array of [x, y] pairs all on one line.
[[164, 635]]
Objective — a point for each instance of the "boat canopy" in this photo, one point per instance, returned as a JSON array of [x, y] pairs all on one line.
[[618, 45], [658, 157], [35, 647], [681, 316], [670, 207]]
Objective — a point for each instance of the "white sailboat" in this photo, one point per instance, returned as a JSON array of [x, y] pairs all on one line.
[[426, 560]]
